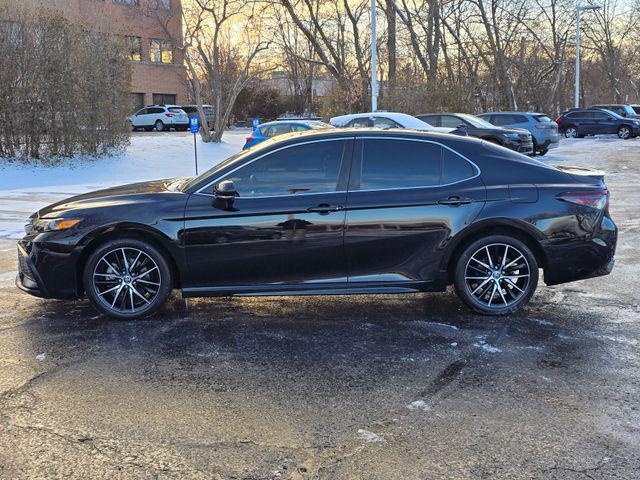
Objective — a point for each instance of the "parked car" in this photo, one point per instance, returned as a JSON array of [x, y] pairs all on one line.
[[273, 129], [192, 110], [626, 111], [515, 139], [386, 120], [578, 123], [160, 118], [329, 211], [543, 129], [636, 108]]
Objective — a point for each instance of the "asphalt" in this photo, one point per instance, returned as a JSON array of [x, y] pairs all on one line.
[[366, 387]]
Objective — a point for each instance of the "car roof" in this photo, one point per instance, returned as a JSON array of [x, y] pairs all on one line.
[[513, 112], [287, 122]]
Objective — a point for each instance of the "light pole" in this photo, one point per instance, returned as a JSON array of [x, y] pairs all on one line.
[[374, 59], [579, 10]]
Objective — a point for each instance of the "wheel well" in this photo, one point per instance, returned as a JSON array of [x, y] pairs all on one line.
[[114, 234], [514, 232], [492, 139]]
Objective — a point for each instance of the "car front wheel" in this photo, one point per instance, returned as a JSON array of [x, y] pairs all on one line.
[[127, 278], [496, 275], [624, 132]]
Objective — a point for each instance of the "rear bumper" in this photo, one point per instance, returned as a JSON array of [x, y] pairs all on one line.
[[582, 258], [549, 143]]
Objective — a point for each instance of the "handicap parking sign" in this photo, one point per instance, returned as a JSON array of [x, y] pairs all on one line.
[[256, 122], [194, 124]]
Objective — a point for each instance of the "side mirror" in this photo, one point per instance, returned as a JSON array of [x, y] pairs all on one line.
[[226, 190]]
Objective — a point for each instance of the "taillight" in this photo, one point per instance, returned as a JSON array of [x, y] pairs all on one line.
[[168, 115], [249, 139], [589, 198], [559, 120]]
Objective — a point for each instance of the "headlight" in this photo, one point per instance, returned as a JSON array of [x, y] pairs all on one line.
[[512, 135], [54, 224], [637, 122]]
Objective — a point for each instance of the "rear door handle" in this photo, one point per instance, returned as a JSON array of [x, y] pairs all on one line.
[[325, 208], [455, 201]]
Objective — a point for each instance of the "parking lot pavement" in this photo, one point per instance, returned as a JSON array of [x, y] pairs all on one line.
[[368, 387]]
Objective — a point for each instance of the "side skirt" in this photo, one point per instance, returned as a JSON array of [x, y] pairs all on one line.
[[356, 288]]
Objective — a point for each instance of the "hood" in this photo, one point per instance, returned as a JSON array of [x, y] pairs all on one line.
[[122, 195]]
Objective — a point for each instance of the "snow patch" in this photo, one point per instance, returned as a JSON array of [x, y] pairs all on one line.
[[369, 437], [486, 347], [419, 405], [41, 357]]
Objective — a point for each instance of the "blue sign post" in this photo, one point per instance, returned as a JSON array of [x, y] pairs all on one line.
[[194, 127]]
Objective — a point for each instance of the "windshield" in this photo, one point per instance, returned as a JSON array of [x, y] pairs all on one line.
[[216, 168], [476, 121]]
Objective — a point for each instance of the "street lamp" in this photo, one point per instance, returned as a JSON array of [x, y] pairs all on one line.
[[579, 10]]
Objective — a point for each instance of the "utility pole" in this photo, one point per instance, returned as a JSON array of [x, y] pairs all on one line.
[[374, 59], [579, 10]]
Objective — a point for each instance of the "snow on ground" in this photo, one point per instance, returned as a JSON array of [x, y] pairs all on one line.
[[24, 189]]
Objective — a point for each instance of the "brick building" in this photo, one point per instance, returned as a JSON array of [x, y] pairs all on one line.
[[149, 28]]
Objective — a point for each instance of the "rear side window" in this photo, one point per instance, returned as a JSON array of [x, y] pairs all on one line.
[[360, 122], [155, 110], [399, 164], [576, 115], [176, 110], [455, 168]]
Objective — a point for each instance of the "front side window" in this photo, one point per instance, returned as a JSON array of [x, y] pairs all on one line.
[[382, 122], [134, 48], [450, 121], [399, 164], [160, 51], [360, 122], [307, 168]]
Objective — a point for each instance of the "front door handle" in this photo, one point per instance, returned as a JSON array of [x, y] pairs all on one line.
[[454, 201], [325, 208]]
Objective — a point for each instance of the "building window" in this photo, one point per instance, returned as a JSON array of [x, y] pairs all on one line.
[[164, 99], [137, 101], [128, 2], [160, 51], [134, 48], [10, 33], [164, 4]]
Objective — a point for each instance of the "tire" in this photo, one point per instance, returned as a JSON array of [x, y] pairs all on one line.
[[111, 284], [625, 132], [571, 132], [543, 152], [479, 290], [159, 126]]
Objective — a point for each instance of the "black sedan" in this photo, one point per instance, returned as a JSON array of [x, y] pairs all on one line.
[[577, 123], [516, 139], [329, 212]]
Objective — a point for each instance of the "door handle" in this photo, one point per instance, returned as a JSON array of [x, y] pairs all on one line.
[[454, 201], [325, 208]]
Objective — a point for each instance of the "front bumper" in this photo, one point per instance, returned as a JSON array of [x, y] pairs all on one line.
[[47, 271], [521, 145]]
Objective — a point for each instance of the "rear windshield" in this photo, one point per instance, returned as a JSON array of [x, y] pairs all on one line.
[[542, 118]]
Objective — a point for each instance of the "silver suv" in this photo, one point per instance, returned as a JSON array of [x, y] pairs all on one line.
[[542, 128], [160, 118]]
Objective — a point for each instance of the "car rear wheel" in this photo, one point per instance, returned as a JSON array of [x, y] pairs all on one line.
[[624, 132], [159, 126], [496, 275], [571, 132], [127, 278]]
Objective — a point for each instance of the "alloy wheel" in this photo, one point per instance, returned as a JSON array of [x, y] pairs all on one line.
[[624, 133], [126, 280], [497, 275], [571, 132]]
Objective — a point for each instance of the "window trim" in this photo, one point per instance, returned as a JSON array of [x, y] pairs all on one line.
[[477, 169], [225, 175], [354, 138]]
